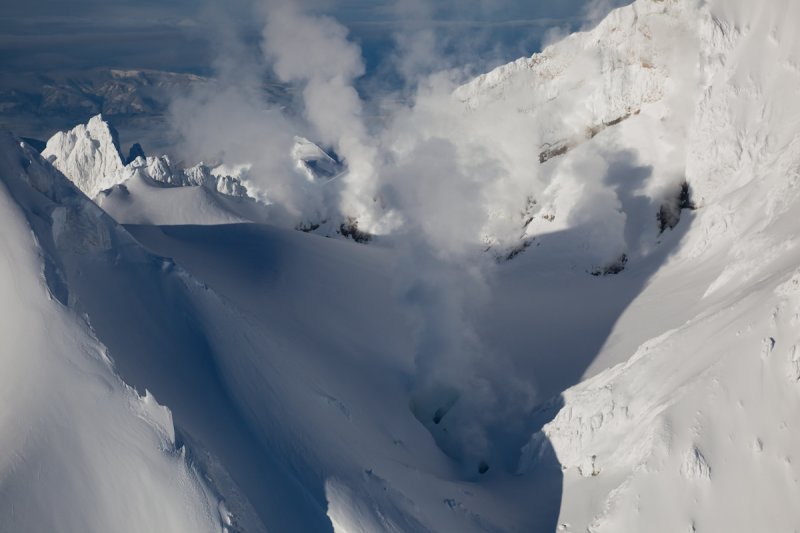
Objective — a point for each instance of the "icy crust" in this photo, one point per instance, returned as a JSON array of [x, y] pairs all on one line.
[[88, 154], [593, 79], [79, 449]]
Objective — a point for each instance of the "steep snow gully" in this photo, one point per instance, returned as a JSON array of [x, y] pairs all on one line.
[[177, 356]]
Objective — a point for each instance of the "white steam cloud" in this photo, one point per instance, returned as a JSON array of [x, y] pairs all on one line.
[[314, 52], [446, 178]]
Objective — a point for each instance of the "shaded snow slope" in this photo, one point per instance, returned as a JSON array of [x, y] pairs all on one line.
[[141, 201], [79, 450], [323, 378], [260, 402]]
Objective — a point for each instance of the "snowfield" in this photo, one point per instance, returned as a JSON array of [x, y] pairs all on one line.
[[598, 331], [73, 432]]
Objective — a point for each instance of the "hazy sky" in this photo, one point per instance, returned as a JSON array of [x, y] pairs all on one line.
[[42, 35]]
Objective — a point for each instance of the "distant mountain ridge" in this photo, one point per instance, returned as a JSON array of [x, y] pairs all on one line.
[[37, 105]]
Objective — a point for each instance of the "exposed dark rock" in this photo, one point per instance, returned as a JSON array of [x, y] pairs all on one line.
[[307, 227], [349, 229], [36, 144], [135, 151], [613, 269], [559, 148], [669, 214]]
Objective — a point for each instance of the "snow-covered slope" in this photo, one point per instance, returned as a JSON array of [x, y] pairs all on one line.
[[691, 430], [140, 200], [658, 151], [153, 190], [89, 155], [259, 394], [79, 449], [588, 81]]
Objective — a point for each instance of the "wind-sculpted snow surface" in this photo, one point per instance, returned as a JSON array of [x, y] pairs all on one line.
[[79, 449]]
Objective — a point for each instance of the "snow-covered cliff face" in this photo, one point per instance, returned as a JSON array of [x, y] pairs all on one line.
[[574, 88], [698, 416], [575, 140], [89, 154], [660, 93], [136, 190], [71, 431], [591, 129]]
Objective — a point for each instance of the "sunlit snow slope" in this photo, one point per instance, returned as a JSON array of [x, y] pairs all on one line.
[[694, 429], [79, 449], [639, 367]]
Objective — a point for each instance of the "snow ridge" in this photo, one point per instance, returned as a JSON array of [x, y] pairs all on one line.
[[89, 155], [76, 433]]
